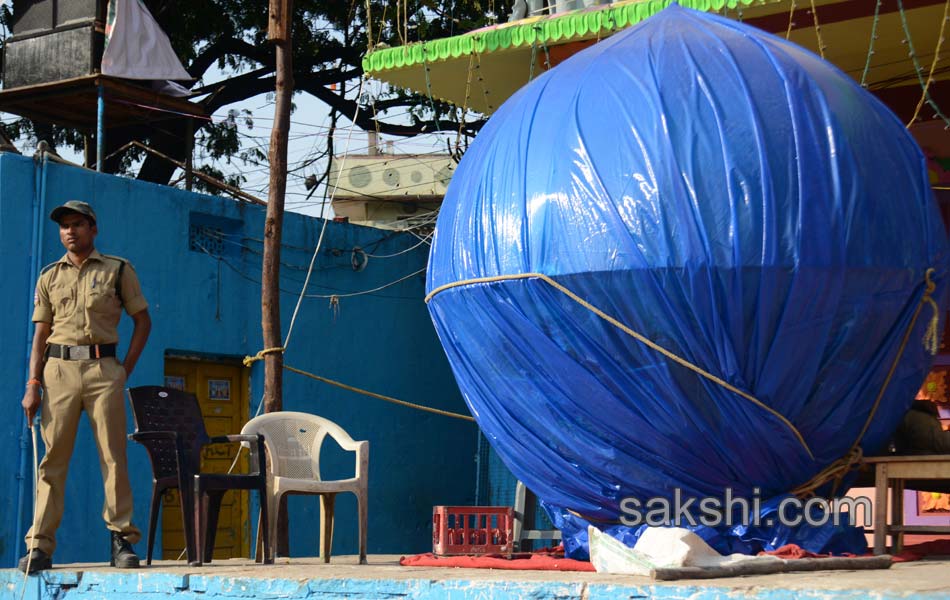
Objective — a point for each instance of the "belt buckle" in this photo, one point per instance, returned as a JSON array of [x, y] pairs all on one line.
[[78, 352]]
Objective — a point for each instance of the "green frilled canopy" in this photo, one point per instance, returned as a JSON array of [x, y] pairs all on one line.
[[481, 69], [458, 69]]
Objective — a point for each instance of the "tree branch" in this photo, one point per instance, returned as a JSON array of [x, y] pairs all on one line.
[[225, 46], [264, 55], [238, 88], [250, 85], [367, 122]]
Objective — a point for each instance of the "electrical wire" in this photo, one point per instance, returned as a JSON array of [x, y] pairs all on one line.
[[238, 239], [376, 289], [342, 293]]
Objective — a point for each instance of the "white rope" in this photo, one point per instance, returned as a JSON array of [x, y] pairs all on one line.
[[306, 281], [313, 260], [316, 250]]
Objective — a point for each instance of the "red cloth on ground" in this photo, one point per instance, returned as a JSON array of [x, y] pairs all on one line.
[[919, 551], [536, 562], [546, 561], [910, 553], [794, 551]]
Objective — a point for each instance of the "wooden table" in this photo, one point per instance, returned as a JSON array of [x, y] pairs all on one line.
[[892, 472]]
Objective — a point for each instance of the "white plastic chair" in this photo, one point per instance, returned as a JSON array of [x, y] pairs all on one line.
[[293, 442]]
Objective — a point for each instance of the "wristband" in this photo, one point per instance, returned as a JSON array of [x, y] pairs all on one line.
[[34, 381]]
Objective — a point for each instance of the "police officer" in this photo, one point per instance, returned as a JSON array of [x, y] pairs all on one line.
[[77, 306]]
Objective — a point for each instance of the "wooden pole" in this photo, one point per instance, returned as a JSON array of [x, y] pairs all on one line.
[[279, 33]]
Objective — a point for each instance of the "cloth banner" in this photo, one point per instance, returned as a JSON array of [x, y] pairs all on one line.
[[136, 47]]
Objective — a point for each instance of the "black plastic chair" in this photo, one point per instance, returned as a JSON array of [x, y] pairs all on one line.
[[169, 424]]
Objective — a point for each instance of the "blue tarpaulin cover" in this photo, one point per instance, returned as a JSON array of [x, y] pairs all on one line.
[[736, 201]]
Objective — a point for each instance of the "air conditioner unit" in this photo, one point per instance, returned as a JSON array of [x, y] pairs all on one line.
[[392, 176]]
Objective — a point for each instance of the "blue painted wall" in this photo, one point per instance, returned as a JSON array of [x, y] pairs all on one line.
[[382, 342], [911, 582]]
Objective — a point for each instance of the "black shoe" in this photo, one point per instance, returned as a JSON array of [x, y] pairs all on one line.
[[123, 556], [35, 560]]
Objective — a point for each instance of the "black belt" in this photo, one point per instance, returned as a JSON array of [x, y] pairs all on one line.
[[80, 352]]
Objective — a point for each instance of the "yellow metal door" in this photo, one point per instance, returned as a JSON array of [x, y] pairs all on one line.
[[221, 390]]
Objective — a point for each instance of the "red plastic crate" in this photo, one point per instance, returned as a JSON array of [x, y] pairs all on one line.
[[472, 530]]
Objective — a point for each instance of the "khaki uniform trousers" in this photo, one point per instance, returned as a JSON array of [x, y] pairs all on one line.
[[72, 386]]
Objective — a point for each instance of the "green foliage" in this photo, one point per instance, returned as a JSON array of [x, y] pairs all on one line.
[[6, 17], [199, 185], [56, 136], [329, 40], [223, 139]]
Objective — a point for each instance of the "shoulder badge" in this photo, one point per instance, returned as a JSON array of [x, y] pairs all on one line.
[[36, 288], [118, 278]]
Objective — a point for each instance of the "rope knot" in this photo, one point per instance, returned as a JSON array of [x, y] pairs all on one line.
[[835, 471], [931, 335], [931, 286], [250, 360]]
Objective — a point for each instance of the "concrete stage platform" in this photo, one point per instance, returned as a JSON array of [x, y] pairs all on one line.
[[384, 578]]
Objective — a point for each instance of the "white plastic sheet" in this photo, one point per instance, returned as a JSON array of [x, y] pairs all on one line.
[[659, 547], [136, 47]]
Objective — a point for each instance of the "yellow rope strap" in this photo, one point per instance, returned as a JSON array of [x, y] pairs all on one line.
[[437, 411], [632, 333], [931, 337], [838, 469], [250, 360]]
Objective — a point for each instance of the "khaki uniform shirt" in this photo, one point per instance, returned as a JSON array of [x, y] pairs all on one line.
[[81, 302]]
